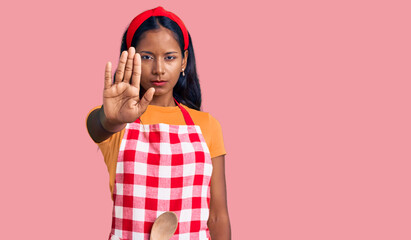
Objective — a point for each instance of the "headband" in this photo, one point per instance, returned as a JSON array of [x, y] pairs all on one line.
[[158, 11]]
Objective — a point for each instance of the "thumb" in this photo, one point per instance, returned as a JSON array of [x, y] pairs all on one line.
[[146, 99]]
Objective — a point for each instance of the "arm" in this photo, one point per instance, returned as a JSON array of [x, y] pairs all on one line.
[[97, 126], [219, 222]]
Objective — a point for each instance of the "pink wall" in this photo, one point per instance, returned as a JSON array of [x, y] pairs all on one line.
[[313, 97]]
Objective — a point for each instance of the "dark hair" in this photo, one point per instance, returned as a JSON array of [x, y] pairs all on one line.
[[187, 89]]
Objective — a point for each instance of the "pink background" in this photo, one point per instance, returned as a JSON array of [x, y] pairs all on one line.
[[313, 98]]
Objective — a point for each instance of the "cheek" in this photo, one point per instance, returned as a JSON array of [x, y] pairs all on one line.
[[145, 77], [145, 72], [175, 69]]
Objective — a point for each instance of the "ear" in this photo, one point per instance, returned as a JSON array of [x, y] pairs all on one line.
[[184, 62]]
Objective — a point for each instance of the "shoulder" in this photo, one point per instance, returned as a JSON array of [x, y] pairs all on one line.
[[203, 119], [211, 129]]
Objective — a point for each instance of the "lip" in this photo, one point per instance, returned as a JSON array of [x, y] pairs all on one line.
[[158, 82]]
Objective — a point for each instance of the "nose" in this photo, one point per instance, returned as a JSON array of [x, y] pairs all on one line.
[[158, 67]]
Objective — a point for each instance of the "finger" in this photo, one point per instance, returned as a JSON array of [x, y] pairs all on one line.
[[135, 80], [146, 99], [129, 64], [107, 76], [120, 67]]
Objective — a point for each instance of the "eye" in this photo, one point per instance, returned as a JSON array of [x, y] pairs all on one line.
[[170, 57], [146, 57]]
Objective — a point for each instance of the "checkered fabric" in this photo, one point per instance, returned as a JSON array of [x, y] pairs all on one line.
[[162, 168]]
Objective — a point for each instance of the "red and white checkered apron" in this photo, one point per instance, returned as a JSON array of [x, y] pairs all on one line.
[[162, 168]]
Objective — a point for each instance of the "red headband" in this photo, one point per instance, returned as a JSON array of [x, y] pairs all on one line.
[[158, 11]]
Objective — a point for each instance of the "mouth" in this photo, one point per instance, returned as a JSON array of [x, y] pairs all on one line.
[[158, 82]]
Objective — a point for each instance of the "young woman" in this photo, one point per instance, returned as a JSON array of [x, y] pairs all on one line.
[[162, 153]]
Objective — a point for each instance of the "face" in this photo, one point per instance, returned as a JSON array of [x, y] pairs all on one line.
[[161, 61]]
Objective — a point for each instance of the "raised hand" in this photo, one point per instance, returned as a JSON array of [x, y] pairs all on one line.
[[121, 102]]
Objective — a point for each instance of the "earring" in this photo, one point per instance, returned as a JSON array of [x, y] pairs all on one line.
[[183, 73]]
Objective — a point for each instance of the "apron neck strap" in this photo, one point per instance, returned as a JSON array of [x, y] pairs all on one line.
[[186, 115]]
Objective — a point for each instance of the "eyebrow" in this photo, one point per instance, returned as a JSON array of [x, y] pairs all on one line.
[[148, 52]]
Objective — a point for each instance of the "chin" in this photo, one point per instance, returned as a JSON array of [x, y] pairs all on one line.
[[159, 92]]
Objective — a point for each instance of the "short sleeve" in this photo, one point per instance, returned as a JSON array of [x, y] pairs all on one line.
[[217, 143], [109, 147]]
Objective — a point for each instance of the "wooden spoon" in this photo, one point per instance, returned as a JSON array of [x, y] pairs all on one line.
[[164, 226]]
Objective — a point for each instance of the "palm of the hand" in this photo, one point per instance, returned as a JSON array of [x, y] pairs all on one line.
[[121, 99], [120, 102]]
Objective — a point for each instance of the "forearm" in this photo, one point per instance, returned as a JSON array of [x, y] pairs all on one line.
[[219, 227], [98, 127]]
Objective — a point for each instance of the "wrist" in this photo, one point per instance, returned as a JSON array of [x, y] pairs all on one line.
[[106, 125]]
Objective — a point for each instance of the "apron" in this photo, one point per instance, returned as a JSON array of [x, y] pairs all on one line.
[[161, 168]]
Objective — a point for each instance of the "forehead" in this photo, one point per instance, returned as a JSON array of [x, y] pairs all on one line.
[[158, 40]]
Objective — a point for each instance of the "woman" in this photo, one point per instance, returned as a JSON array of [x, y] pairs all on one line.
[[162, 152]]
